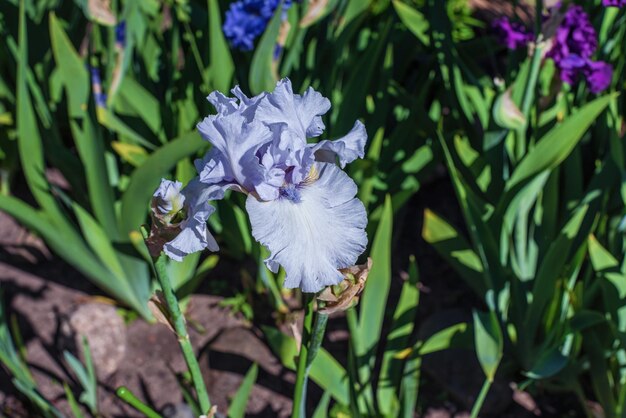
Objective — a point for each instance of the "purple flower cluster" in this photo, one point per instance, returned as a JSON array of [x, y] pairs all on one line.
[[513, 34], [613, 3], [574, 44], [246, 20]]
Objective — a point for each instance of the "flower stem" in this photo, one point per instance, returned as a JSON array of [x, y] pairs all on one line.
[[481, 398], [312, 337], [178, 323]]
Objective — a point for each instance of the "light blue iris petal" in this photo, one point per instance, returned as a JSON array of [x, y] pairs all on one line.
[[347, 149], [168, 197], [194, 234], [224, 105], [237, 142], [301, 114], [272, 179], [317, 235]]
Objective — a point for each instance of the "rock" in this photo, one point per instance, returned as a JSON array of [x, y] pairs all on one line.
[[106, 333]]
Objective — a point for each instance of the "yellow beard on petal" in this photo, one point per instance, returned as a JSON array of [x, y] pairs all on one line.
[[313, 175]]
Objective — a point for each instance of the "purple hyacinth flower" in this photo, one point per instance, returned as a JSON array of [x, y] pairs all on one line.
[[575, 35], [613, 3], [512, 34], [570, 67], [599, 75]]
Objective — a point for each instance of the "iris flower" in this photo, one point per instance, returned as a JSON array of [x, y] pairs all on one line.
[[301, 205], [182, 215]]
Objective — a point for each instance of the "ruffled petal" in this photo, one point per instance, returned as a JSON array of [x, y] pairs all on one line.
[[273, 178], [167, 198], [313, 236], [194, 233], [237, 141], [347, 149], [224, 105], [301, 114]]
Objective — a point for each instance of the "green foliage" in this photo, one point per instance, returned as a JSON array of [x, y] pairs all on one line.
[[86, 375]]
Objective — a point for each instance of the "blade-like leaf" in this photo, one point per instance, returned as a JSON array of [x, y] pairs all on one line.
[[414, 20], [28, 137], [558, 143], [237, 408], [99, 242], [455, 249], [398, 339], [72, 72], [263, 69], [222, 67], [374, 299], [488, 342], [91, 150]]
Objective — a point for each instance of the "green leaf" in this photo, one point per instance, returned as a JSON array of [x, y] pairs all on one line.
[[237, 408], [72, 401], [321, 410], [410, 387], [143, 103], [398, 339], [109, 120], [72, 71], [455, 249], [353, 10], [601, 259], [325, 370], [414, 20], [98, 240], [222, 67], [549, 364], [28, 138], [78, 368], [441, 340], [131, 153], [263, 69], [374, 299], [146, 178], [551, 270], [488, 342], [558, 143], [91, 151]]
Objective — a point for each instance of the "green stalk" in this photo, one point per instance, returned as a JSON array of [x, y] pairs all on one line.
[[478, 404], [365, 401], [127, 396], [312, 337], [178, 323]]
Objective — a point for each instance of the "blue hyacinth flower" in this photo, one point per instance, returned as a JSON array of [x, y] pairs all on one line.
[[246, 20]]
